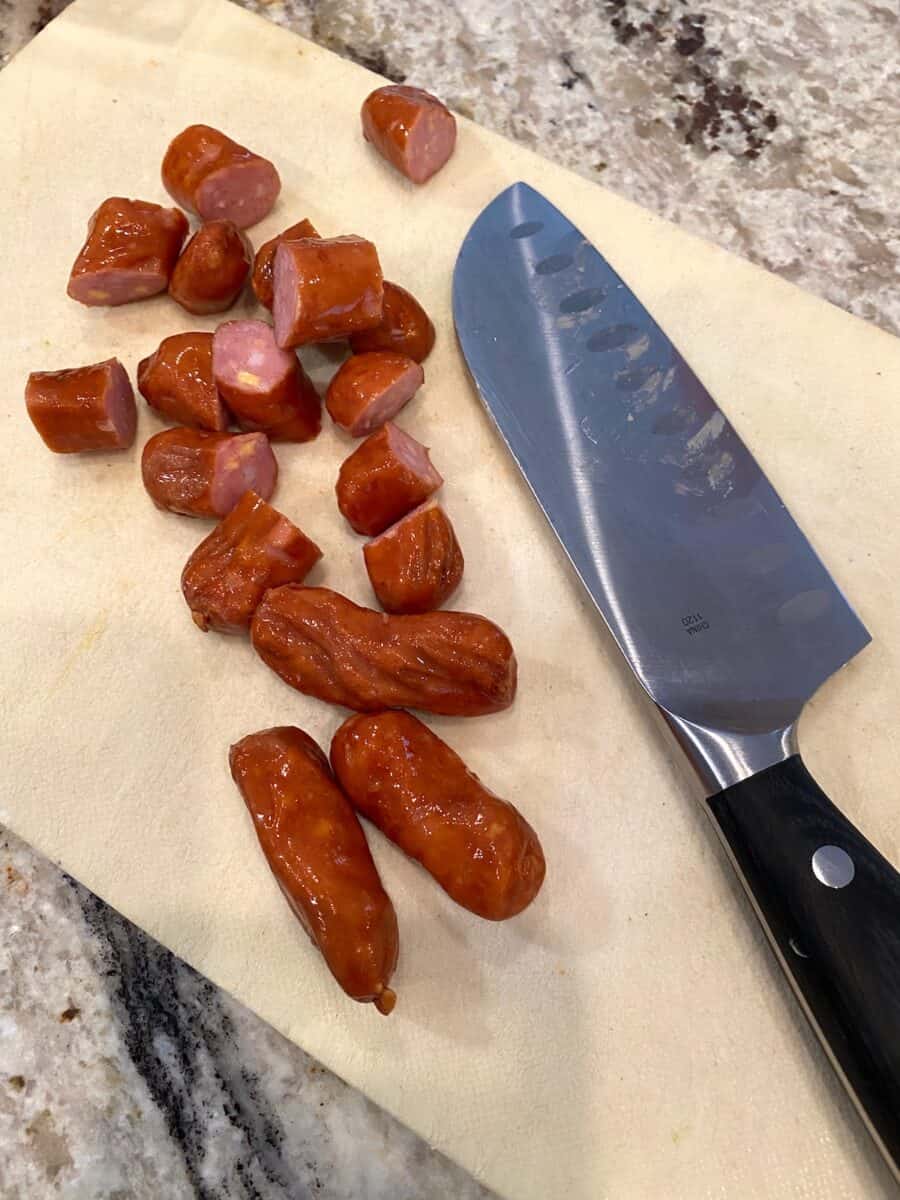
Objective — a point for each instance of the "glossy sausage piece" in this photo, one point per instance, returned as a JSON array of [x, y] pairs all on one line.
[[317, 851], [405, 327], [265, 387], [382, 480], [410, 128], [324, 289], [177, 380], [129, 254], [213, 268], [202, 474], [85, 408], [319, 642], [370, 389], [421, 795], [416, 565], [252, 549], [208, 173], [264, 263]]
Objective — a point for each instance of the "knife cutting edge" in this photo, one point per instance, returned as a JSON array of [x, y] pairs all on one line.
[[725, 613]]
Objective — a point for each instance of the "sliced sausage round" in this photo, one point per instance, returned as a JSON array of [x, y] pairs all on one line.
[[382, 480], [420, 794], [201, 474], [213, 268], [129, 253], [177, 380], [264, 386], [409, 127], [264, 262], [416, 565], [405, 327], [253, 549], [84, 408], [317, 851], [205, 171], [369, 389], [325, 289]]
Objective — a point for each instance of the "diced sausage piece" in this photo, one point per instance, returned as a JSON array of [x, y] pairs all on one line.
[[370, 389], [319, 642], [265, 387], [264, 262], [254, 548], [208, 173], [416, 565], [85, 408], [325, 289], [405, 327], [382, 480], [213, 268], [201, 474], [410, 128], [177, 380], [129, 254], [421, 795], [317, 851]]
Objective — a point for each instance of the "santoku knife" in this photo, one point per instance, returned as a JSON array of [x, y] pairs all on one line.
[[724, 611]]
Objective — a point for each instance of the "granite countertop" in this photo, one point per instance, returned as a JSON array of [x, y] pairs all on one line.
[[771, 130]]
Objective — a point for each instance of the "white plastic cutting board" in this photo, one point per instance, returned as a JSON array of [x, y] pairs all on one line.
[[629, 1035]]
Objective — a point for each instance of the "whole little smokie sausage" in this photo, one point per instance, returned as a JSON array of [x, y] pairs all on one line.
[[206, 172], [201, 474], [317, 851], [421, 795], [129, 253], [409, 127], [405, 327], [369, 389], [416, 565], [265, 387], [264, 262], [325, 289], [383, 479], [213, 268], [254, 548], [84, 408], [177, 380], [324, 645]]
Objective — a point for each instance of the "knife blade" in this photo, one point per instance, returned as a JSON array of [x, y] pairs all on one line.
[[726, 614]]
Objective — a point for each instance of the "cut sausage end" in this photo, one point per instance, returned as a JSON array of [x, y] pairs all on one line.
[[431, 141], [413, 455], [244, 463], [285, 296], [371, 389], [243, 192], [247, 358], [107, 288]]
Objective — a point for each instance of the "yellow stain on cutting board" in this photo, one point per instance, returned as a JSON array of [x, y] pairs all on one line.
[[83, 646]]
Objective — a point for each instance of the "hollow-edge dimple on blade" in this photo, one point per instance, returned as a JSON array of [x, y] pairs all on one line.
[[725, 612]]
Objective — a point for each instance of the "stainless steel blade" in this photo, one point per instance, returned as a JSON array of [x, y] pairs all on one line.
[[725, 612]]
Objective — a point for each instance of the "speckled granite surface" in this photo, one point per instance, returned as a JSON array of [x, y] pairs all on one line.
[[771, 129]]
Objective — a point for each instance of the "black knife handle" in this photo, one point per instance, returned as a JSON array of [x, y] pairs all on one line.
[[830, 905]]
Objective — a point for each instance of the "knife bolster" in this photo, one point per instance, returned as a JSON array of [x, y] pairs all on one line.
[[724, 757]]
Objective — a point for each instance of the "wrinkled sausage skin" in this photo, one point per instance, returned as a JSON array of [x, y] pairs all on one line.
[[421, 795], [202, 474], [206, 172], [325, 289], [323, 644], [409, 127], [317, 851], [369, 389], [84, 408], [416, 565], [177, 381], [384, 479], [212, 270], [253, 549], [405, 327], [129, 253], [264, 263]]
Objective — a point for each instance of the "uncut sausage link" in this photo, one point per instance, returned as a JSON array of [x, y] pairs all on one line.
[[84, 408], [177, 381], [317, 851], [208, 173], [201, 474]]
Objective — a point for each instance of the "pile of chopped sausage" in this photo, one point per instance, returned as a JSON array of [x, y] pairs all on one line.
[[249, 572]]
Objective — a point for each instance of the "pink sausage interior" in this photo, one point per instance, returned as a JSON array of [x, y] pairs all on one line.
[[430, 143], [413, 455], [120, 409], [385, 405], [243, 192], [116, 285], [244, 463], [246, 358], [285, 294]]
